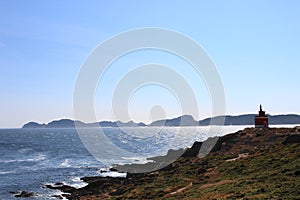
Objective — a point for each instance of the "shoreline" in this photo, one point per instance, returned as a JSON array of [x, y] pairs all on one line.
[[234, 147]]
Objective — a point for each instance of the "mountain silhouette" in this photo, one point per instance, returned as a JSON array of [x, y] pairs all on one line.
[[185, 120]]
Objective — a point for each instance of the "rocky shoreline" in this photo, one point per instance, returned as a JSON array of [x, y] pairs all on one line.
[[192, 176]]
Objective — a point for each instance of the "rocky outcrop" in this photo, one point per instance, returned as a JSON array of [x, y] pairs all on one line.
[[292, 139], [234, 155], [193, 151], [23, 194]]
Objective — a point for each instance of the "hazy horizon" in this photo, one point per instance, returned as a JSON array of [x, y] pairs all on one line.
[[148, 123], [254, 45]]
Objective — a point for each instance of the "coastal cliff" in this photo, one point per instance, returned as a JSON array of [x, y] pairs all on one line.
[[250, 164]]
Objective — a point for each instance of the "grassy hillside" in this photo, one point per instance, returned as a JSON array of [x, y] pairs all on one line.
[[249, 164]]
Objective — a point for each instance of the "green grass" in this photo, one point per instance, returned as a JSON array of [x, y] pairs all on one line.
[[271, 173]]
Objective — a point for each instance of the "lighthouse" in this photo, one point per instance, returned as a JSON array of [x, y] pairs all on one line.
[[261, 120]]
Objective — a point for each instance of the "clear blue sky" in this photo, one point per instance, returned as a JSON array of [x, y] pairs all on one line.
[[254, 44]]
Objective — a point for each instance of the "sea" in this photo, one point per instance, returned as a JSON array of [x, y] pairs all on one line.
[[31, 158]]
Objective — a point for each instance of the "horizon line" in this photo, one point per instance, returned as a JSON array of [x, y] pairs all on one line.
[[169, 118]]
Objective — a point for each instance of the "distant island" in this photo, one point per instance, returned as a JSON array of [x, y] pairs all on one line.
[[185, 120]]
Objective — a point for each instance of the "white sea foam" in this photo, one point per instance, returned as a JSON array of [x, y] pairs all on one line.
[[25, 150], [77, 185], [76, 182], [113, 174], [137, 160], [65, 163], [54, 193], [7, 172], [39, 157], [104, 172]]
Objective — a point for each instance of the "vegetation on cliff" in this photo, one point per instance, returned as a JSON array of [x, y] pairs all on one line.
[[250, 164]]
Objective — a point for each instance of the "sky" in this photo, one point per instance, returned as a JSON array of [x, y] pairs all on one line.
[[255, 46]]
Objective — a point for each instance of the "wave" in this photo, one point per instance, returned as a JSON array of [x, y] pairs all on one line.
[[113, 174], [137, 160], [7, 172], [37, 158], [75, 164], [25, 150], [77, 183], [65, 163], [51, 193]]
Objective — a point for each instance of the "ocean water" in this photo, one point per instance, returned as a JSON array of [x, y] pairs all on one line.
[[30, 158]]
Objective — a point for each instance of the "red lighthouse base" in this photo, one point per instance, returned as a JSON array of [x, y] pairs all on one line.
[[261, 120]]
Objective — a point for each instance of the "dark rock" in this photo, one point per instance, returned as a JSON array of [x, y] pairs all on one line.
[[103, 171], [119, 191], [135, 175], [113, 170], [156, 163], [259, 134], [168, 168], [171, 156], [285, 170], [25, 194], [212, 144], [64, 188], [292, 139], [261, 190], [57, 196], [201, 171], [193, 151], [297, 173], [218, 144], [56, 184]]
